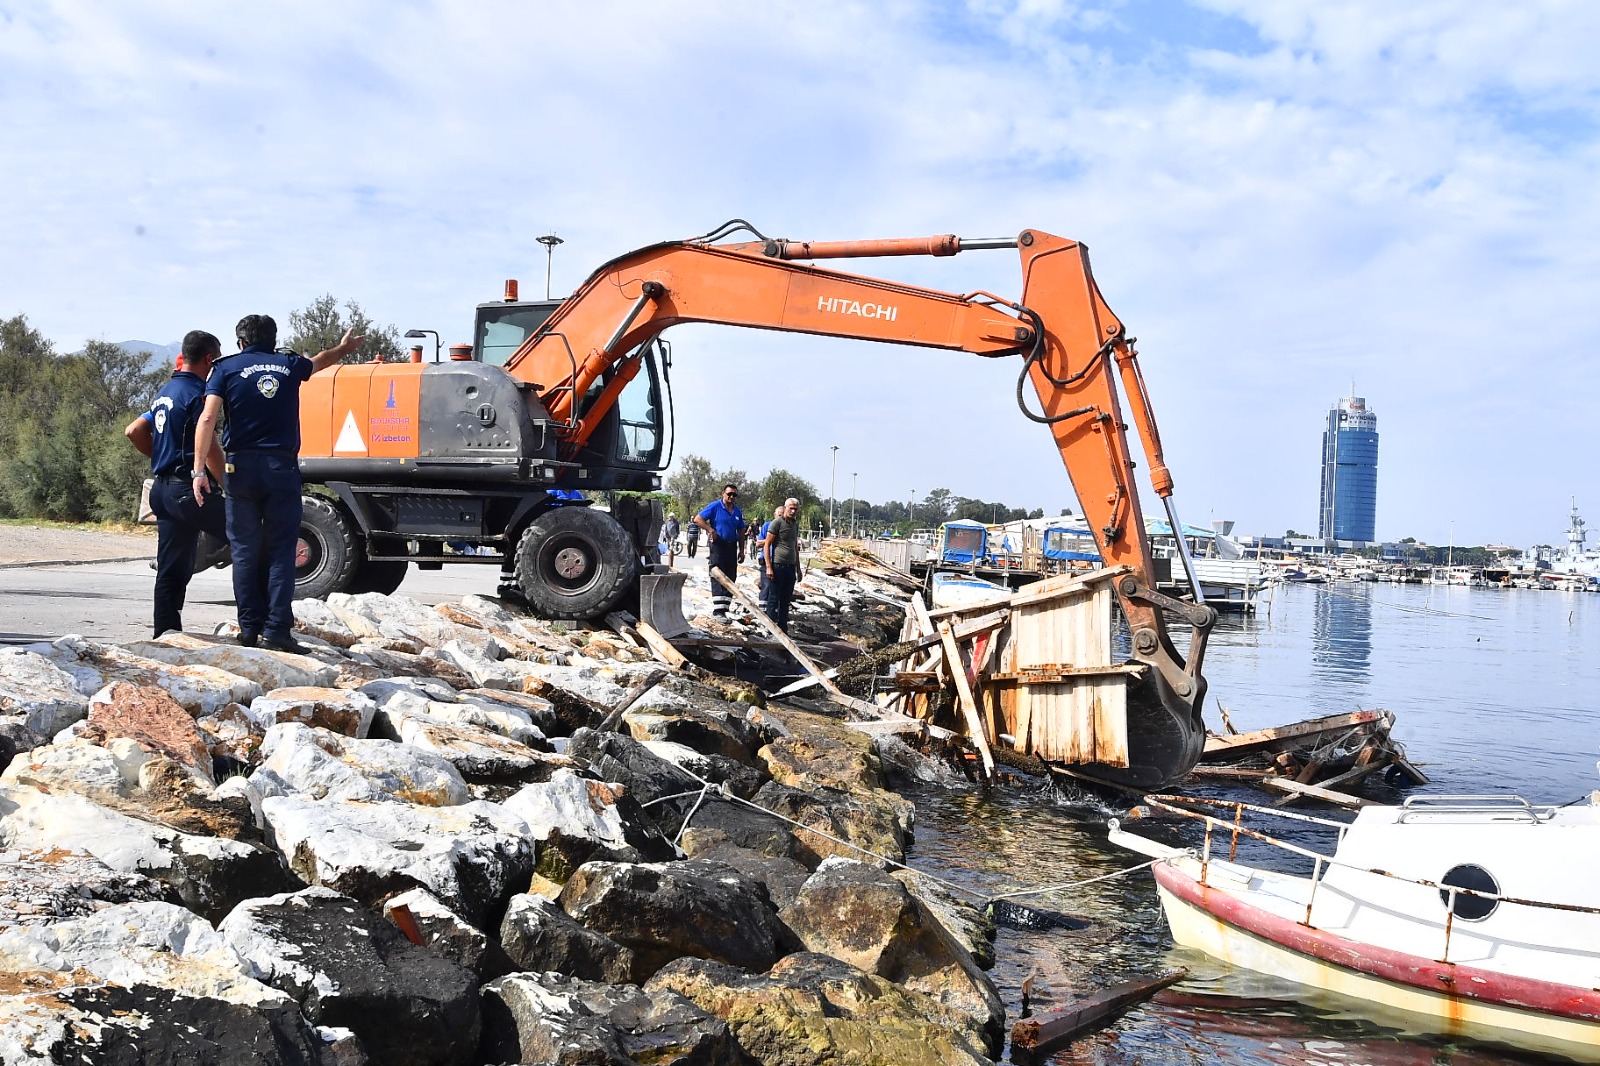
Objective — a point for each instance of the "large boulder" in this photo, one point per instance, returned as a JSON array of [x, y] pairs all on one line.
[[17, 739], [577, 820], [869, 826], [743, 780], [142, 983], [324, 765], [541, 712], [198, 689], [267, 668], [782, 876], [37, 693], [968, 923], [538, 935], [746, 827], [372, 614], [478, 753], [663, 911], [424, 920], [472, 856], [513, 723], [208, 875], [724, 734], [863, 916], [812, 1010], [561, 1021], [337, 710], [348, 968]]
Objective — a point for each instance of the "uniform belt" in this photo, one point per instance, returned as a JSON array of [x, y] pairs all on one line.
[[286, 453], [183, 478]]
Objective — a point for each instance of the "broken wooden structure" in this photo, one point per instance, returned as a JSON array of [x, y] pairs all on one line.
[[1325, 759], [1032, 672]]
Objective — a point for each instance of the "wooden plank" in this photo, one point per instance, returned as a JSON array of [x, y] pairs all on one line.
[[1055, 675], [1296, 790], [969, 706], [660, 646], [1052, 588], [643, 685], [963, 631], [777, 634], [1242, 743], [1046, 1033]]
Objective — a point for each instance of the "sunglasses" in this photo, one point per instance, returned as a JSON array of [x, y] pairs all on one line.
[[733, 494]]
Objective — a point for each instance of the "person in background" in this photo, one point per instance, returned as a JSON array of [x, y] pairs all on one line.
[[166, 434], [692, 539], [756, 551], [781, 561], [725, 527], [669, 534], [259, 388]]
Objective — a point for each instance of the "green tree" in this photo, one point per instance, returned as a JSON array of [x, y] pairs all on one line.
[[318, 327], [778, 486], [690, 483], [936, 507]]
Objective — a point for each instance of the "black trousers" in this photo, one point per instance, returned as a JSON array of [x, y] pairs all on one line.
[[724, 556], [780, 593], [179, 523]]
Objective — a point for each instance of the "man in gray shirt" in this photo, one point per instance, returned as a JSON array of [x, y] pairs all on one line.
[[780, 555]]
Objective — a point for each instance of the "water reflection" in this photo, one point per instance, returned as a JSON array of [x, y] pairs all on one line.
[[1341, 635]]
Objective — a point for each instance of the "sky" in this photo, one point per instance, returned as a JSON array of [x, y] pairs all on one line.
[[1281, 200]]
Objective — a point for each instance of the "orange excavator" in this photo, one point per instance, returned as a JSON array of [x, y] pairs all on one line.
[[574, 394]]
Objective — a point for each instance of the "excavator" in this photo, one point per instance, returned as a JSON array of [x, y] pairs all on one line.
[[483, 451]]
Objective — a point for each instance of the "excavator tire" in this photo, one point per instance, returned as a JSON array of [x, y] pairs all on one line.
[[328, 555], [575, 563], [383, 577]]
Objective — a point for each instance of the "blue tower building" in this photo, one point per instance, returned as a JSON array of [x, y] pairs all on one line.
[[1349, 472]]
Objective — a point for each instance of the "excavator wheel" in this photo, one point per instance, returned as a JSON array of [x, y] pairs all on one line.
[[385, 576], [575, 563], [327, 556]]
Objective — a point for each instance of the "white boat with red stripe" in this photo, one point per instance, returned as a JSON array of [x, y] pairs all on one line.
[[1476, 916]]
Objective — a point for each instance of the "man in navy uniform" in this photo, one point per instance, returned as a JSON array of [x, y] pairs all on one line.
[[166, 434], [259, 388], [725, 529]]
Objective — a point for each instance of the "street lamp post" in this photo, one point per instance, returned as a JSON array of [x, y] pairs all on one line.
[[833, 479], [418, 333], [911, 513], [852, 505], [549, 240]]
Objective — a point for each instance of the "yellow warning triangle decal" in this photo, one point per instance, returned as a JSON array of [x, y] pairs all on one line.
[[350, 439]]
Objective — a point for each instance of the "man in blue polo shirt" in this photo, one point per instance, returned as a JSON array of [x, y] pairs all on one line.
[[259, 388], [725, 528], [166, 434]]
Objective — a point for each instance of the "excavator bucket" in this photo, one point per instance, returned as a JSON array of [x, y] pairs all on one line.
[[661, 603]]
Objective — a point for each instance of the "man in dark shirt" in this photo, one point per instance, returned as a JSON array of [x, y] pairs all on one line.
[[259, 388], [781, 558], [724, 525], [166, 434]]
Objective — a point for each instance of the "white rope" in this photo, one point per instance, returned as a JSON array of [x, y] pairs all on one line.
[[1066, 885]]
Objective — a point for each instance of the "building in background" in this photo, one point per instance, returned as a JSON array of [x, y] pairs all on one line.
[[1349, 472]]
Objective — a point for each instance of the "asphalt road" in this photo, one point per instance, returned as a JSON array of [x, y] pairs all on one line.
[[112, 601]]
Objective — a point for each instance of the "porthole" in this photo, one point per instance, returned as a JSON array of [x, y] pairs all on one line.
[[1476, 878]]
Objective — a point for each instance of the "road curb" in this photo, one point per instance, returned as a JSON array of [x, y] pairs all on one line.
[[78, 562]]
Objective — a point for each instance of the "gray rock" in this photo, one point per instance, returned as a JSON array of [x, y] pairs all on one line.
[[267, 668], [781, 876], [812, 1010], [861, 915], [538, 935], [428, 688], [552, 1019], [38, 694], [472, 856], [662, 911], [348, 968], [870, 826], [17, 739], [93, 666], [971, 927], [752, 829], [478, 753], [743, 779], [43, 885], [337, 710], [540, 710]]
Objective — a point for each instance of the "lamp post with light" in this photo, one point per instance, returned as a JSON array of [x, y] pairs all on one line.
[[549, 240], [415, 334], [833, 479]]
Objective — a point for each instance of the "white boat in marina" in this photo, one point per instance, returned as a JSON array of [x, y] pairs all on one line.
[[962, 590], [1470, 915]]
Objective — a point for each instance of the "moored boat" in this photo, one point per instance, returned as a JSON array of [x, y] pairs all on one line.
[[1472, 915]]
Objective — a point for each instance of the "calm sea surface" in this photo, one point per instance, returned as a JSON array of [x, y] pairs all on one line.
[[1493, 692]]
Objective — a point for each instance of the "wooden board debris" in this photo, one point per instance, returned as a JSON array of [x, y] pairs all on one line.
[[1046, 1033]]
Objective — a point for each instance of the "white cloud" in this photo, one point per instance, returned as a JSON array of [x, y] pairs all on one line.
[[1279, 199]]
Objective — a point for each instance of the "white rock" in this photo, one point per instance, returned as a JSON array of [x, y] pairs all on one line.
[[512, 722], [133, 944], [372, 614], [470, 856], [471, 749], [320, 764], [589, 681], [267, 668], [199, 689], [428, 688], [32, 687], [241, 787], [337, 709], [574, 805], [130, 758], [76, 766], [318, 615], [485, 671]]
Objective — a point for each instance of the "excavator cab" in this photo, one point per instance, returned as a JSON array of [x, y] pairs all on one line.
[[499, 328]]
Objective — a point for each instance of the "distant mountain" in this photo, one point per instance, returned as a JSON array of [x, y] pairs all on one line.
[[161, 355]]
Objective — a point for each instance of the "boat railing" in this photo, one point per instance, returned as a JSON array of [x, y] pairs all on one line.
[[1514, 806], [1321, 863]]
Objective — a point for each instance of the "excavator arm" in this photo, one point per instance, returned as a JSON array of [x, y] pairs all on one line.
[[1073, 351]]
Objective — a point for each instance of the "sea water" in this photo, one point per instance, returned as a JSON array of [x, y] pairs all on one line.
[[1493, 691]]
